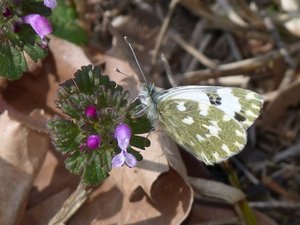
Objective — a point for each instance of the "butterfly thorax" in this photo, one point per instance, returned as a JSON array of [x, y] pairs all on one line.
[[149, 97]]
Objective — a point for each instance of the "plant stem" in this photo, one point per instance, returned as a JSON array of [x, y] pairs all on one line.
[[243, 206], [71, 205]]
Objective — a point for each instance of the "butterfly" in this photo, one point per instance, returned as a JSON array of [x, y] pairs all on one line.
[[208, 121]]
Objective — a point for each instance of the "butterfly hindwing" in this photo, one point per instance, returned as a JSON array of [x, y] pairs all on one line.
[[201, 128]]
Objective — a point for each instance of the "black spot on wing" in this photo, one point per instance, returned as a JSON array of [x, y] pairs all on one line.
[[214, 99], [239, 117]]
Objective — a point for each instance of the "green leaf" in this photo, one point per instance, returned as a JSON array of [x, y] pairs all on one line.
[[65, 24], [140, 125], [34, 7], [136, 154], [65, 135], [12, 62], [74, 105], [35, 52], [76, 162], [93, 172], [139, 142]]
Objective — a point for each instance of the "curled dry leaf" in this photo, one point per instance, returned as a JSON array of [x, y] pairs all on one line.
[[218, 190], [22, 151]]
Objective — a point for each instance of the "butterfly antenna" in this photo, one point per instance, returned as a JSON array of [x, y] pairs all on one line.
[[135, 59]]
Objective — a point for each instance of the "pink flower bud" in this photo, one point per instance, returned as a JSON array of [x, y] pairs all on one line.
[[93, 141], [6, 12], [91, 111]]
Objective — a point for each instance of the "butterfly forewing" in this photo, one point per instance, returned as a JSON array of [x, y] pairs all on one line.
[[239, 104], [212, 138]]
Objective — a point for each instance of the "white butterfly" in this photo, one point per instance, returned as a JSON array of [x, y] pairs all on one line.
[[208, 121]]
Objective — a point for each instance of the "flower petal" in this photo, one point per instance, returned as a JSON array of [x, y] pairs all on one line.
[[123, 135], [118, 160], [39, 23], [50, 3], [130, 159]]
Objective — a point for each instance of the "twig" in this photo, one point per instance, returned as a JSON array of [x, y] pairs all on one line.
[[247, 12], [234, 68], [233, 47], [168, 71], [280, 45], [274, 186], [247, 173], [233, 16], [71, 205], [194, 52], [200, 9], [275, 204], [197, 37], [226, 221], [202, 46], [163, 30], [289, 152]]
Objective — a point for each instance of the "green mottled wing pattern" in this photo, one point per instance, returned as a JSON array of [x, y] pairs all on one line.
[[211, 138]]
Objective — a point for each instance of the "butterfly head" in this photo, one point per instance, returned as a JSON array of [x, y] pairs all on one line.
[[148, 98]]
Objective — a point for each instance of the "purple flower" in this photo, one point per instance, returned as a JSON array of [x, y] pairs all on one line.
[[123, 135], [91, 111], [50, 3], [39, 23], [124, 157], [93, 141]]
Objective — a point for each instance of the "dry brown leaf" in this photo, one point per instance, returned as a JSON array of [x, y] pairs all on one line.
[[218, 190], [207, 212], [283, 98], [170, 200], [22, 152], [42, 213]]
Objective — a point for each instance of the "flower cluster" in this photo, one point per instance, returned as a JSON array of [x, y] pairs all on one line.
[[99, 132], [39, 23], [23, 28], [122, 134]]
